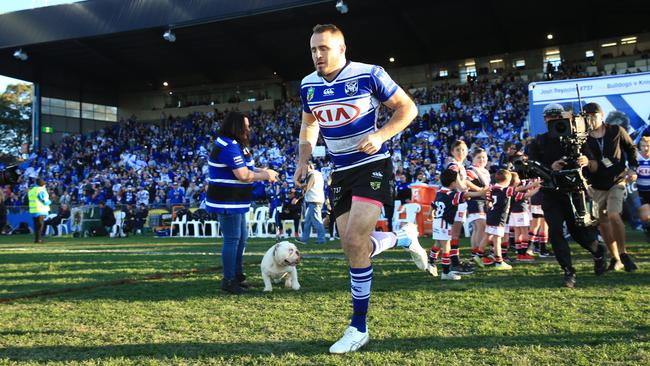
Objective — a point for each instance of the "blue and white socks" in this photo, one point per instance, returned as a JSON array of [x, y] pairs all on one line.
[[382, 241], [360, 282], [403, 239]]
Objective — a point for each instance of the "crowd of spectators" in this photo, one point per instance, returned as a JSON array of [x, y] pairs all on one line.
[[164, 164]]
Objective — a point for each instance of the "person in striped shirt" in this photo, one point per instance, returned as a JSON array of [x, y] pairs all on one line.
[[341, 100], [230, 192]]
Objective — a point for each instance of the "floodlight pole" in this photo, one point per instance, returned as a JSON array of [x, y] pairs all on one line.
[[36, 117]]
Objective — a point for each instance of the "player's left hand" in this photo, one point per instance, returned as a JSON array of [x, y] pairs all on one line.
[[370, 144]]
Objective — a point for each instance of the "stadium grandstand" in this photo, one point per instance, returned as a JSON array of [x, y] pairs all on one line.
[[123, 106]]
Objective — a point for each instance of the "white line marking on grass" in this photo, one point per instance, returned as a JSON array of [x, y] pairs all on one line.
[[163, 253]]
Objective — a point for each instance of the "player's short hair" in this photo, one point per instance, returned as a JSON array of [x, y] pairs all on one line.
[[645, 139], [447, 177], [502, 175], [322, 28]]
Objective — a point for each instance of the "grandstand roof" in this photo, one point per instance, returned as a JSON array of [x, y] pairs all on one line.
[[118, 44]]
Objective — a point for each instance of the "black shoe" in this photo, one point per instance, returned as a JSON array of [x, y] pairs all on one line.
[[629, 265], [231, 286], [463, 268], [242, 281], [570, 278], [600, 265]]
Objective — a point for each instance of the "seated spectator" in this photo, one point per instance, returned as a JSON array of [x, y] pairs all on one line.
[[64, 213], [291, 208], [140, 218], [107, 219], [129, 220]]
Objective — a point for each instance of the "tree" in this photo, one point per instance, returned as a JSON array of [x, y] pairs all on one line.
[[15, 117]]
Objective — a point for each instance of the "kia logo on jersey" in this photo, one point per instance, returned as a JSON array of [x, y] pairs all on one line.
[[333, 115]]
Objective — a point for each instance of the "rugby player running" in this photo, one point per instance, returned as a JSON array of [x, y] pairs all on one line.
[[341, 101]]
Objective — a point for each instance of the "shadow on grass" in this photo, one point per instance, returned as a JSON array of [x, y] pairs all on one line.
[[29, 332], [316, 277], [195, 350]]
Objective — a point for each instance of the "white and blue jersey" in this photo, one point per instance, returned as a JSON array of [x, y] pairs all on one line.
[[643, 174], [227, 194], [346, 110]]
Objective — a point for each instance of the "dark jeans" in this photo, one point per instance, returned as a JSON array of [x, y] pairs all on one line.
[[235, 233], [38, 228], [557, 210], [54, 222], [288, 216]]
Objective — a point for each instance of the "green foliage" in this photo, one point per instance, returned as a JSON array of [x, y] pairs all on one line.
[[15, 116], [522, 317]]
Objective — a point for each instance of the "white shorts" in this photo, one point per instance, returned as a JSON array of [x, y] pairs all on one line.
[[536, 209], [519, 219], [440, 230], [461, 213], [475, 216], [495, 230]]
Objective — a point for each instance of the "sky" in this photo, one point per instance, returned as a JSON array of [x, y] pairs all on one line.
[[7, 6]]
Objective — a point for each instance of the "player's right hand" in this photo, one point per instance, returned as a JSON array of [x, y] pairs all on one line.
[[301, 174], [272, 175]]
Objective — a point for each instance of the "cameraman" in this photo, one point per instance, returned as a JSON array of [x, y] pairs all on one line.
[[556, 204], [612, 148]]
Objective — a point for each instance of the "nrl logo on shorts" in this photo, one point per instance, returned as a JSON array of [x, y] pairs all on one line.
[[310, 93], [375, 185], [351, 87]]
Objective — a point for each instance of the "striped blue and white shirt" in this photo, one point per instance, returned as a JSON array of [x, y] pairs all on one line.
[[226, 194], [643, 174], [346, 110]]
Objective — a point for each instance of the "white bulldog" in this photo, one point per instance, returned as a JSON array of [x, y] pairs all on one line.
[[280, 262]]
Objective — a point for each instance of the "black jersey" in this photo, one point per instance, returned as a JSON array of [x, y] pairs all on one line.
[[446, 204], [499, 197], [459, 168], [519, 202], [479, 177]]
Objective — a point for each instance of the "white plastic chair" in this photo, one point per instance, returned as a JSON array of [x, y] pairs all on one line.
[[411, 210], [271, 221], [49, 227], [249, 220], [180, 222], [196, 225], [260, 219], [214, 228], [63, 226], [118, 228], [286, 223]]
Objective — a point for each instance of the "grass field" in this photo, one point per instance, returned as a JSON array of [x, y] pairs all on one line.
[[157, 301]]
